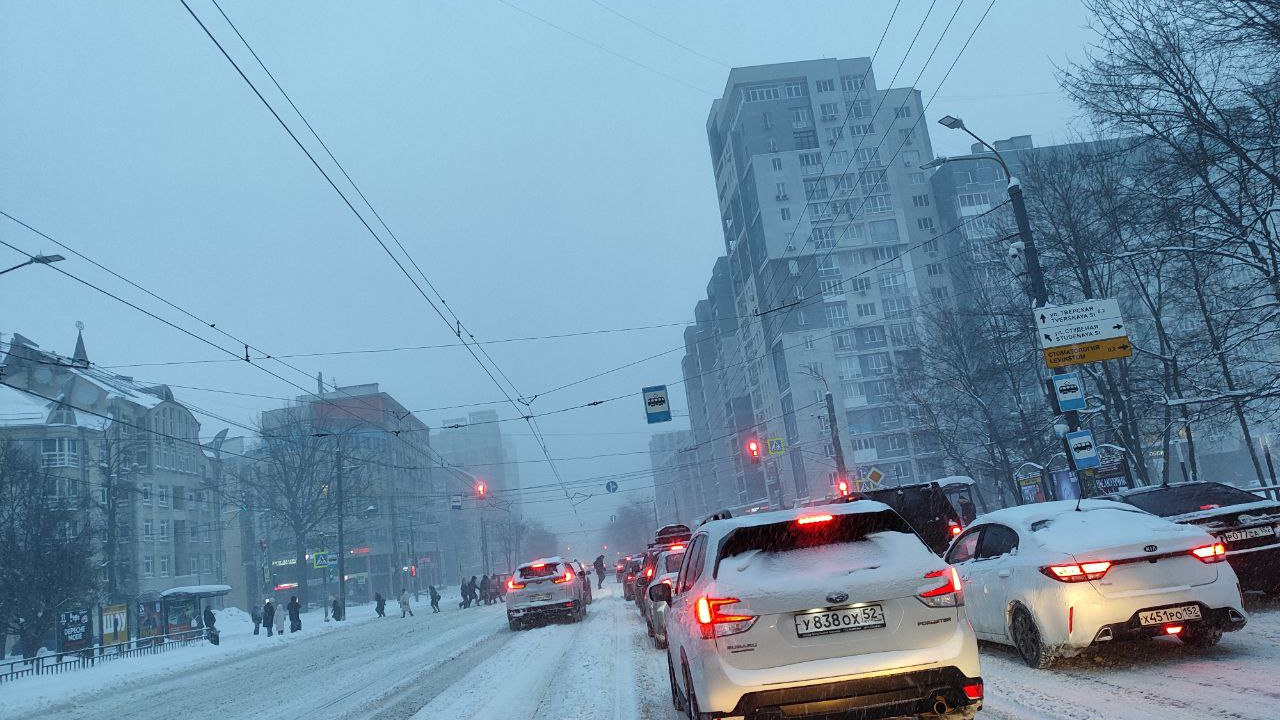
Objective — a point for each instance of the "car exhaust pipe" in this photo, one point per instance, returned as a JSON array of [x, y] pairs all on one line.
[[941, 706]]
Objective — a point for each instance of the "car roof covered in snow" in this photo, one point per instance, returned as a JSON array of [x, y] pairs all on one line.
[[955, 480], [778, 516], [1058, 527], [197, 591], [1027, 515]]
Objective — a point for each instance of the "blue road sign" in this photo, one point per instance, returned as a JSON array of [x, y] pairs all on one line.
[[611, 486], [455, 502], [1068, 389], [1082, 450], [656, 407]]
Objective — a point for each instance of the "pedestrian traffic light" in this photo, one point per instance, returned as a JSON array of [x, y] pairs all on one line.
[[413, 571], [753, 450], [480, 490]]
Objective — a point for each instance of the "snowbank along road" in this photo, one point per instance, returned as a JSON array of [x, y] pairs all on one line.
[[466, 663]]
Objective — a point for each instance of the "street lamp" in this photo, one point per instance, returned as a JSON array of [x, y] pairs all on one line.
[[36, 260], [1039, 293]]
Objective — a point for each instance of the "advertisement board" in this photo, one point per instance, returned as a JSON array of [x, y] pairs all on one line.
[[75, 632], [115, 624], [150, 621]]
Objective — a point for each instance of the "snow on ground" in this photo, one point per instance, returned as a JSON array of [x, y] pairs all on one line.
[[466, 663]]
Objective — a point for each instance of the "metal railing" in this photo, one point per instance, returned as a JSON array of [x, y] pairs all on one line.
[[77, 659]]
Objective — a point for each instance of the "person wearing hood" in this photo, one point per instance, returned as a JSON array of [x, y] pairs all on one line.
[[295, 614], [269, 616]]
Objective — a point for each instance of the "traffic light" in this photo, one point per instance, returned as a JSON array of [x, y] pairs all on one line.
[[843, 486], [413, 571], [480, 490], [753, 450]]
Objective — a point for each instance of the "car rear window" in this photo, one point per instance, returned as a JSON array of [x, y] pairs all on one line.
[[1176, 500], [633, 565], [673, 562], [540, 571], [791, 535]]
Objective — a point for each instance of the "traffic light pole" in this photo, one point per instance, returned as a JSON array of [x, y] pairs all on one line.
[[342, 538], [841, 472]]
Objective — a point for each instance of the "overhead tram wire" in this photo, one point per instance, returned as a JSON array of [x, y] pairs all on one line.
[[457, 323], [657, 34]]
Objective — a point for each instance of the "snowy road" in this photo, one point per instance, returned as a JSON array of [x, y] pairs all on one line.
[[468, 664]]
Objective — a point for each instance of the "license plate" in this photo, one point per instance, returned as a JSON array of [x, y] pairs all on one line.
[[1248, 533], [826, 622], [1168, 615], [536, 597]]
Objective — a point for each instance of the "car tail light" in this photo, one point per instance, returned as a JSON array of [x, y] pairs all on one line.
[[513, 585], [630, 577], [1216, 552], [714, 622], [566, 577], [813, 519], [1077, 572], [949, 594], [973, 691], [954, 528], [1172, 629], [648, 573]]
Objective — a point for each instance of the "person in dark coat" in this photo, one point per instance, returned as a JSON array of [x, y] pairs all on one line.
[[210, 631], [336, 610], [295, 614], [379, 604], [475, 591], [599, 565], [255, 614], [269, 617], [435, 598], [484, 589]]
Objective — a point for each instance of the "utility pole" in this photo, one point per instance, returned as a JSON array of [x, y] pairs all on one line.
[[841, 472], [413, 560], [484, 542], [342, 538]]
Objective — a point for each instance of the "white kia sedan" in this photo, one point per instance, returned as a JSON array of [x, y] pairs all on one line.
[[1052, 579]]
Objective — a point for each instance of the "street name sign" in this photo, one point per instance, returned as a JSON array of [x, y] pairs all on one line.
[[1086, 352], [656, 407]]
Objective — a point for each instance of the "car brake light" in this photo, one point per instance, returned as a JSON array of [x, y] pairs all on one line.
[[813, 519], [954, 528], [1077, 572], [676, 547], [715, 623], [536, 566], [648, 573], [566, 577], [949, 594], [1172, 629], [513, 585], [1216, 552], [973, 691]]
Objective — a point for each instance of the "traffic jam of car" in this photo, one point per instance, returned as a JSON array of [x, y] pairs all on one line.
[[872, 605]]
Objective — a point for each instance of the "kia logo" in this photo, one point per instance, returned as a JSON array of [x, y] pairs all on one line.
[[837, 597], [1150, 548]]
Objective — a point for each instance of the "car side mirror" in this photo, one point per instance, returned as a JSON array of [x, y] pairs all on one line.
[[660, 592]]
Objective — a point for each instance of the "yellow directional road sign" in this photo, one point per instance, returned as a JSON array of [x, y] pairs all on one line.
[[1074, 354]]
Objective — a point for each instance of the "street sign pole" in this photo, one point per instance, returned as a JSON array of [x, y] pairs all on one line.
[[842, 474]]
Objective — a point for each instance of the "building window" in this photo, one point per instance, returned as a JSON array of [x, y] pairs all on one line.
[[805, 139], [147, 531], [808, 342], [873, 181], [843, 341], [815, 189], [829, 111], [907, 136], [866, 309], [828, 267], [164, 529], [933, 269], [162, 496], [810, 163], [880, 254], [60, 452], [902, 334], [878, 363], [146, 493], [785, 213], [864, 444], [898, 442], [911, 158], [834, 134], [793, 267], [974, 199], [767, 119], [62, 415], [859, 108], [920, 200], [924, 223], [843, 183], [902, 112], [931, 246], [891, 283], [831, 288], [777, 163], [876, 388], [801, 318], [869, 156], [849, 83], [819, 211], [879, 203], [801, 118], [939, 293], [826, 85], [897, 307], [148, 566], [781, 190], [760, 93], [915, 178], [859, 284], [773, 145], [164, 566], [839, 159], [823, 237], [873, 336], [837, 315], [858, 129], [797, 89]]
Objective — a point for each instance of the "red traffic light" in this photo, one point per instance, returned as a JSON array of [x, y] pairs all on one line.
[[413, 571], [843, 487], [753, 449], [480, 490]]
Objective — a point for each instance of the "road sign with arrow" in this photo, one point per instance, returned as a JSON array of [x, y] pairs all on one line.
[[1089, 331]]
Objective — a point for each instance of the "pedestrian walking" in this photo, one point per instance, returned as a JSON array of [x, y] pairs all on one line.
[[435, 598], [599, 565], [484, 589], [404, 603], [379, 604], [295, 614], [280, 623], [255, 614], [269, 616], [210, 631], [336, 612], [475, 591]]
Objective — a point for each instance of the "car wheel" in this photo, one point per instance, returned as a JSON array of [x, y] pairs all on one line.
[[660, 642], [1201, 636], [691, 709], [1026, 638], [677, 700], [514, 624]]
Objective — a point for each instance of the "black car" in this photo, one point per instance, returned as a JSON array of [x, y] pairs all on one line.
[[1248, 525], [629, 577], [927, 509]]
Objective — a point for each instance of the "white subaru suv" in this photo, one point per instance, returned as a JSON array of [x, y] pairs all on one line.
[[818, 612], [544, 588]]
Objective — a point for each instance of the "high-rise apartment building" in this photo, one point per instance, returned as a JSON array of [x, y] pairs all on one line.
[[830, 256]]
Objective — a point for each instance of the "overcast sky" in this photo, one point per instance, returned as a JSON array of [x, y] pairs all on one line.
[[547, 179]]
